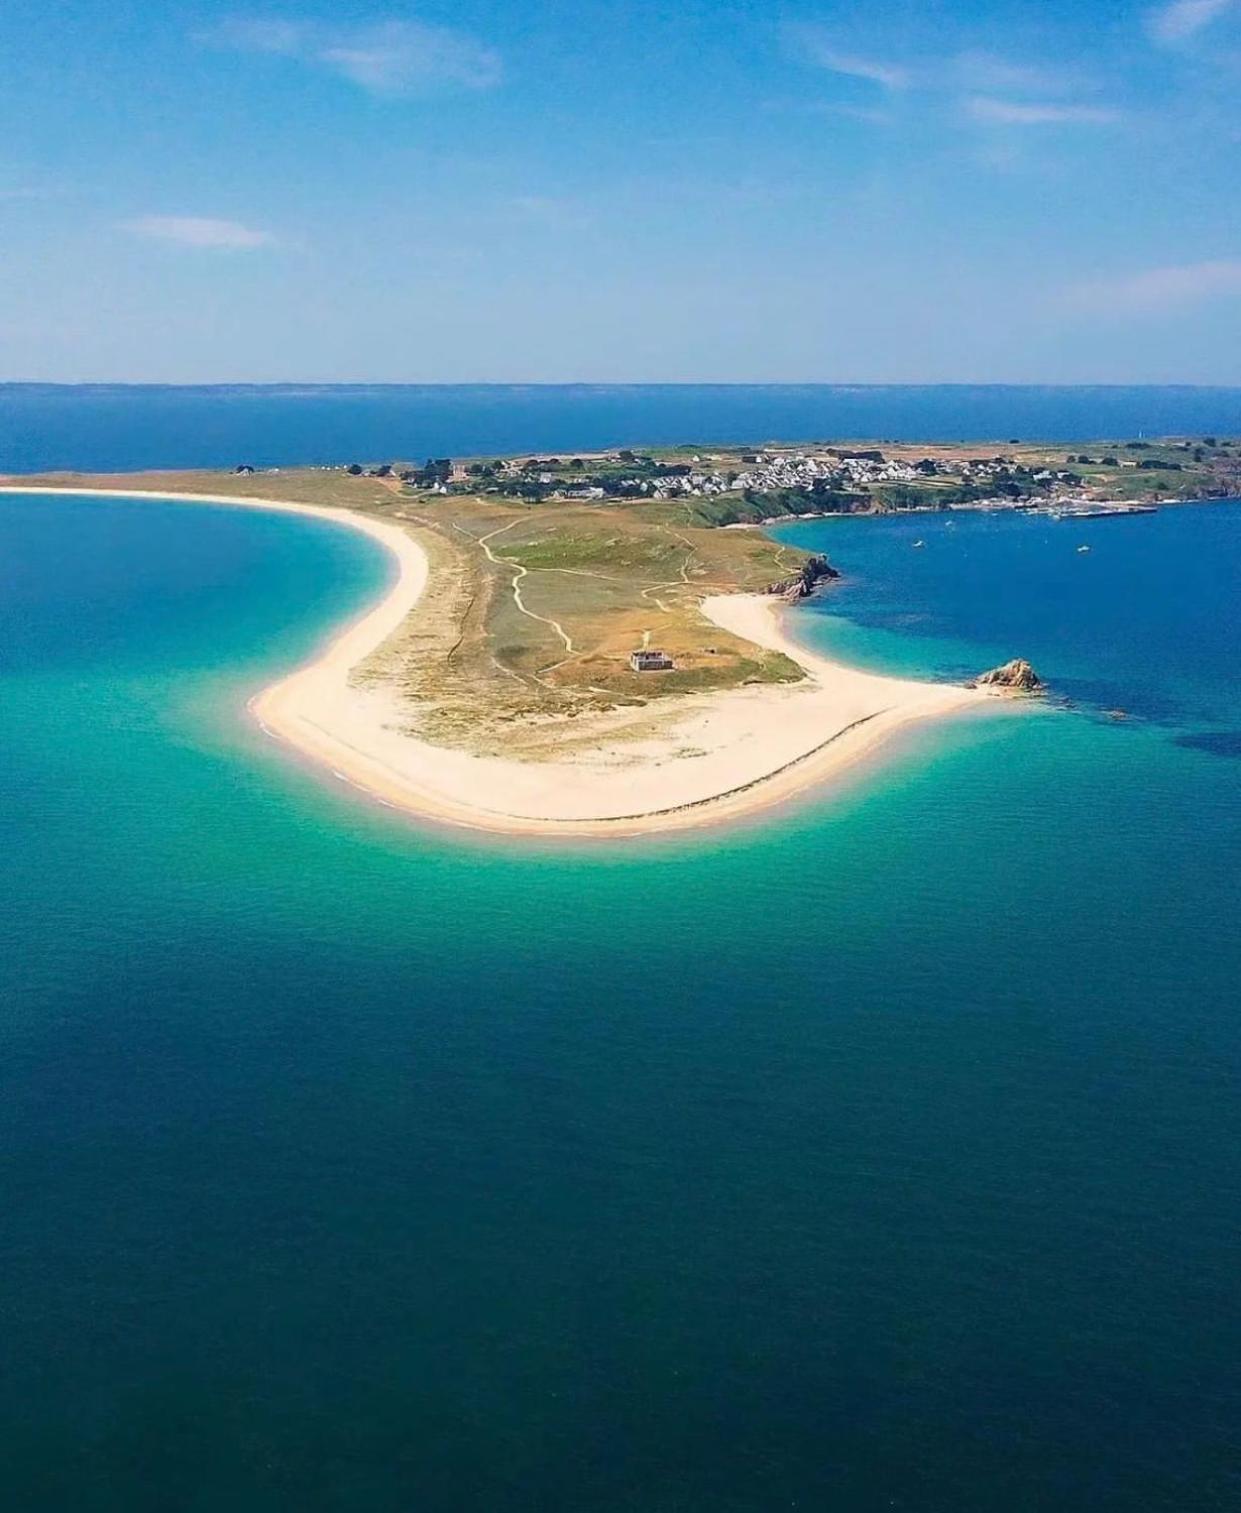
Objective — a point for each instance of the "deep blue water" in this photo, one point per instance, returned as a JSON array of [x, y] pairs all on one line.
[[1147, 621], [883, 1154], [114, 428]]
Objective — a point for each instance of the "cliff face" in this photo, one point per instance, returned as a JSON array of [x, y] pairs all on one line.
[[1016, 676], [801, 585]]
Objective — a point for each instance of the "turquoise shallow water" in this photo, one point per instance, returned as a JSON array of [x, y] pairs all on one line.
[[880, 1155]]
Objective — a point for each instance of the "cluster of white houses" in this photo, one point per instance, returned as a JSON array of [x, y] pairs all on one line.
[[765, 471], [801, 470]]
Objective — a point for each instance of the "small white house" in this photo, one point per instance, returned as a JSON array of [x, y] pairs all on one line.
[[650, 660]]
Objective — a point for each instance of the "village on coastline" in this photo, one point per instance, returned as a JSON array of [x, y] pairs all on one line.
[[746, 486]]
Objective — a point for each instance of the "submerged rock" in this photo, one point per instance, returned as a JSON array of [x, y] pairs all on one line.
[[802, 584], [1016, 676]]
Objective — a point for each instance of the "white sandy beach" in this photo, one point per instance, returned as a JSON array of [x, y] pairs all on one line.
[[718, 756]]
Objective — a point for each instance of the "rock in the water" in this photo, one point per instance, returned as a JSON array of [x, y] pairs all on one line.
[[802, 584], [1016, 676]]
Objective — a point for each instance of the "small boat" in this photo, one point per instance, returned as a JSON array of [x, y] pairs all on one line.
[[1083, 548], [919, 543]]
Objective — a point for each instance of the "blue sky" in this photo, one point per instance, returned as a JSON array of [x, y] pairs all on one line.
[[945, 190]]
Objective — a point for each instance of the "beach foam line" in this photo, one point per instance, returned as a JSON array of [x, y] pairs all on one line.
[[715, 757]]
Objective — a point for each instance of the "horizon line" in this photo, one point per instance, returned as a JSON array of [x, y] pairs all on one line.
[[654, 383]]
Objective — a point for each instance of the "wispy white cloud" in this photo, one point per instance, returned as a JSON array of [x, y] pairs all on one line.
[[257, 34], [988, 73], [199, 231], [549, 209], [872, 115], [992, 88], [816, 46], [1153, 290], [1182, 19], [998, 112], [382, 57]]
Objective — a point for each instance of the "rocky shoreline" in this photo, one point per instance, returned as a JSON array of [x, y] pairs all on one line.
[[813, 574], [1016, 676]]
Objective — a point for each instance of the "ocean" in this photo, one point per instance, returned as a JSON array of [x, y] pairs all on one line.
[[882, 1153], [118, 428]]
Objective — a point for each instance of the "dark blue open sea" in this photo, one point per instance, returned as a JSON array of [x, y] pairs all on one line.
[[117, 428], [881, 1154]]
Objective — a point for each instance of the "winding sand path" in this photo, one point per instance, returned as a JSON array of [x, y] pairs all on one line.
[[519, 572], [708, 758]]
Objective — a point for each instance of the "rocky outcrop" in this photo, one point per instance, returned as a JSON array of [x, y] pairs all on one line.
[[1016, 676], [815, 572]]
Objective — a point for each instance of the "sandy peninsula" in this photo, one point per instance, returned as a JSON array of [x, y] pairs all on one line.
[[706, 758]]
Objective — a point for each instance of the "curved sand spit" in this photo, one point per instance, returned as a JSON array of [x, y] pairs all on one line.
[[718, 756]]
